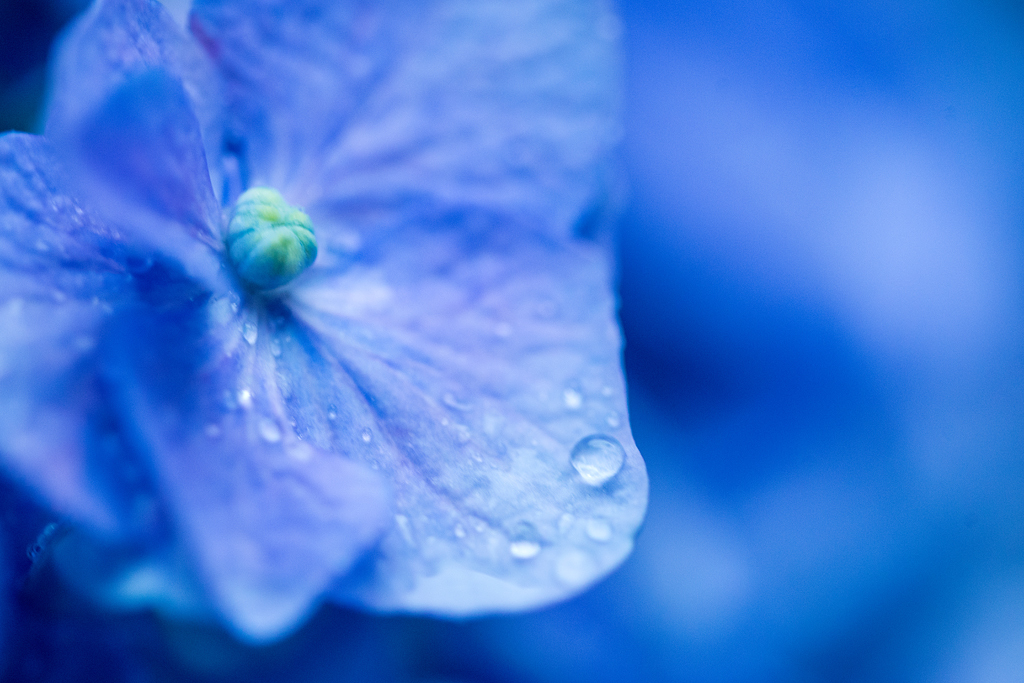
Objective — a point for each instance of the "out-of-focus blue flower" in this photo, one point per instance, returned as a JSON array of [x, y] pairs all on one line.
[[431, 418]]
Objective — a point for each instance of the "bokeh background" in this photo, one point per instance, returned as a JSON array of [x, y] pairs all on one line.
[[822, 271]]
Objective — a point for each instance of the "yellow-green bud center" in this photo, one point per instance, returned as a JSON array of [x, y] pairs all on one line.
[[269, 242]]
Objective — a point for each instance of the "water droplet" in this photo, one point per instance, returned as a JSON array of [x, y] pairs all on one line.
[[250, 332], [367, 436], [524, 550], [573, 399], [599, 530], [245, 398], [525, 542], [452, 401], [460, 532], [300, 451], [331, 415], [275, 347], [403, 526], [43, 541], [597, 458], [574, 568], [613, 420], [462, 433], [269, 430], [211, 430]]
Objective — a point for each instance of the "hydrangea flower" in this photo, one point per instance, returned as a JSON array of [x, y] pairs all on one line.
[[405, 395]]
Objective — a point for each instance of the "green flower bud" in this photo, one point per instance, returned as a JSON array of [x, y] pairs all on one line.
[[269, 242]]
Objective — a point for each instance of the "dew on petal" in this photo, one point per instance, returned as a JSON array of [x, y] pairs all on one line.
[[245, 398], [250, 332], [597, 458], [573, 399], [452, 401], [599, 530], [525, 543], [367, 436], [613, 420], [269, 431], [275, 348], [299, 451], [524, 550], [332, 415], [403, 526], [460, 531]]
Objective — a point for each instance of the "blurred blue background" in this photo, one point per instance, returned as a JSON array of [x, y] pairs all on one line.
[[821, 283]]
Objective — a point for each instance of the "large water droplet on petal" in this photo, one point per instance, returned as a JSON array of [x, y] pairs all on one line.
[[597, 458], [524, 550], [269, 430], [525, 543]]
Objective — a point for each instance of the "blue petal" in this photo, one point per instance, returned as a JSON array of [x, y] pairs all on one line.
[[422, 105], [61, 276], [270, 519], [473, 363], [127, 111]]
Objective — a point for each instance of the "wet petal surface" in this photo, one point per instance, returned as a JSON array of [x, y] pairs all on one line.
[[270, 518], [479, 363], [62, 274], [419, 107], [134, 111]]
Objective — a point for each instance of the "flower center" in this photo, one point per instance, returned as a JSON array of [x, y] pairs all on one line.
[[269, 242]]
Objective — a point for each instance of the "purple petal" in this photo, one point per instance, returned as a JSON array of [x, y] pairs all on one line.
[[374, 107], [128, 111], [271, 519], [61, 276], [484, 360]]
